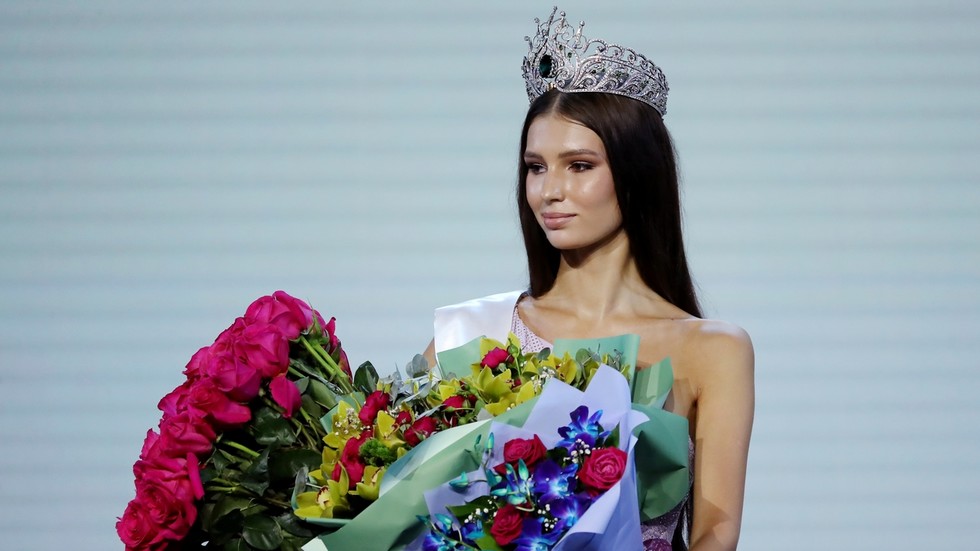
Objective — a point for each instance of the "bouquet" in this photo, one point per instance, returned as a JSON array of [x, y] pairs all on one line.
[[367, 436], [221, 468], [529, 495]]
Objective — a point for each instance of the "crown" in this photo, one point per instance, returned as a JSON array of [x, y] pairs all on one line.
[[561, 58]]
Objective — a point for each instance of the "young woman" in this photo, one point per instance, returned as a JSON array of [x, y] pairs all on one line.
[[600, 213]]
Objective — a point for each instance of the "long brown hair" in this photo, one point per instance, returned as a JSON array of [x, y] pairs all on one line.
[[644, 170]]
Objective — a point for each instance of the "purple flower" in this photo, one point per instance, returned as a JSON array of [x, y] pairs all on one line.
[[551, 481], [582, 432]]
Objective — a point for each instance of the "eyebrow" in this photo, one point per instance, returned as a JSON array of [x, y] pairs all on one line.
[[565, 154]]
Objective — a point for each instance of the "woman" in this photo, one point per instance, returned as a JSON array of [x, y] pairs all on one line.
[[599, 207]]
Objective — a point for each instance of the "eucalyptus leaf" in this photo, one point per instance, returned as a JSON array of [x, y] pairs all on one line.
[[366, 378], [417, 367], [262, 532]]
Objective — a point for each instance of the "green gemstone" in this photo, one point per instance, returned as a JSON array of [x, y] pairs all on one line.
[[545, 66]]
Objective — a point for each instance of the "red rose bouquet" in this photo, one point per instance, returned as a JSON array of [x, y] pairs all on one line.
[[221, 467]]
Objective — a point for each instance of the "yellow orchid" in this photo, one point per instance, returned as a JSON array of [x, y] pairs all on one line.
[[329, 500], [343, 425], [370, 485], [491, 387]]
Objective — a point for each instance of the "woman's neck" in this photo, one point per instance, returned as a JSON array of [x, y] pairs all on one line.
[[599, 282]]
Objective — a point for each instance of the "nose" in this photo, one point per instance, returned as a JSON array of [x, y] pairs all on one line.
[[553, 187]]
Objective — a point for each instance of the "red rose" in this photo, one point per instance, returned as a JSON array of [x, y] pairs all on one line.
[[197, 361], [375, 402], [531, 450], [180, 476], [603, 468], [176, 401], [137, 529], [265, 349], [421, 429], [454, 402], [184, 433], [291, 315], [507, 524], [403, 419], [207, 398], [350, 458], [286, 394], [171, 516], [235, 377], [496, 357]]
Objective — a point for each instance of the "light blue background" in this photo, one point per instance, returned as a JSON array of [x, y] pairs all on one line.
[[163, 164]]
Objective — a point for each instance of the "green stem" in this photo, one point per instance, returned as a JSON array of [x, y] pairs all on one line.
[[242, 448], [337, 374]]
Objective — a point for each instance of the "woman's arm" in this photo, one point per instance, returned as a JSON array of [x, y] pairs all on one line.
[[725, 405]]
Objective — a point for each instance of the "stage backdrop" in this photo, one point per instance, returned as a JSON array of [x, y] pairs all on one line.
[[163, 164]]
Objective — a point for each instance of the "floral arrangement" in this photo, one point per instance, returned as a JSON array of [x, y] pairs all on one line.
[[366, 436], [535, 495], [504, 376], [221, 468]]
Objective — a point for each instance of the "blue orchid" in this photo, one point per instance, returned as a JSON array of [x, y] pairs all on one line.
[[516, 485], [569, 510], [442, 536], [536, 536], [552, 481], [583, 432]]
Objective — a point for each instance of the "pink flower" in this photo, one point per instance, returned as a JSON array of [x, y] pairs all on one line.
[[234, 377], [265, 349], [286, 394], [375, 402], [496, 357], [291, 315], [138, 530], [180, 476], [176, 401], [207, 398], [194, 367], [186, 432], [403, 419]]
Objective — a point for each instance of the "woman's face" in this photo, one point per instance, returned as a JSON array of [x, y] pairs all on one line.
[[569, 184]]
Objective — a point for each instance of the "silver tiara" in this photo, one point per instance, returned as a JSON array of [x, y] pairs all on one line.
[[561, 58]]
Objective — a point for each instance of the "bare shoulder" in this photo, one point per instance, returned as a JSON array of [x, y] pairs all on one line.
[[719, 351]]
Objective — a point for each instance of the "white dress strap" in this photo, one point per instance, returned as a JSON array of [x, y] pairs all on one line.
[[457, 324]]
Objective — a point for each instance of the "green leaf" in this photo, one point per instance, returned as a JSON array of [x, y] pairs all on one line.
[[486, 542], [322, 394], [284, 464], [235, 544], [270, 429], [302, 384], [309, 405], [292, 525], [262, 532], [225, 506], [366, 378], [482, 502], [256, 476]]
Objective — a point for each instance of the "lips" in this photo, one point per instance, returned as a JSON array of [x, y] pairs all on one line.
[[556, 220]]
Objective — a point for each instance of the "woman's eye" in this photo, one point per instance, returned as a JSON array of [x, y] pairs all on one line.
[[534, 168], [581, 166]]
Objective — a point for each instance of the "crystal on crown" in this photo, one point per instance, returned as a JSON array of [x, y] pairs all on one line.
[[561, 58]]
